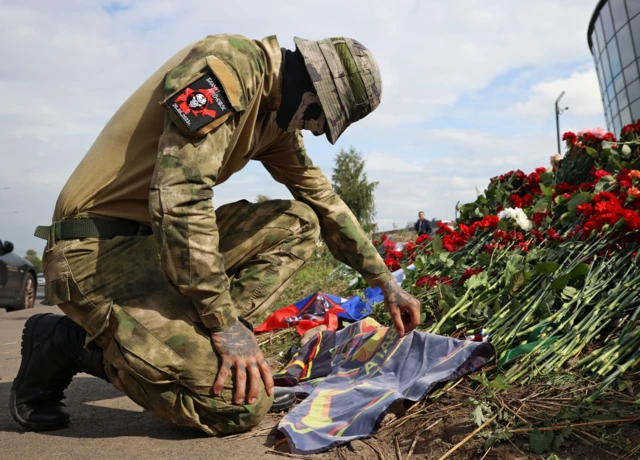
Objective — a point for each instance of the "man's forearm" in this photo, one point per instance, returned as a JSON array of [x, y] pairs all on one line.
[[347, 241], [184, 223]]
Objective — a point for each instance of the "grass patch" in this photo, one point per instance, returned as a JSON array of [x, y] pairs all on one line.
[[276, 345], [314, 276]]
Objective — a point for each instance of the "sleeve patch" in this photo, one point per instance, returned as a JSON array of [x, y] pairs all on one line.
[[200, 104]]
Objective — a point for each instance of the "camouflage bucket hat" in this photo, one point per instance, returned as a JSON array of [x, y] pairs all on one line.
[[346, 78]]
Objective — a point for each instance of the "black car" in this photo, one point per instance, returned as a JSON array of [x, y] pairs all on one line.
[[17, 280]]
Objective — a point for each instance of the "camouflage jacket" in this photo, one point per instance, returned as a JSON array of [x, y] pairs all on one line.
[[193, 159]]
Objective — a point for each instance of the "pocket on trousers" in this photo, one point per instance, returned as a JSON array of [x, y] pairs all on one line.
[[56, 275], [143, 353]]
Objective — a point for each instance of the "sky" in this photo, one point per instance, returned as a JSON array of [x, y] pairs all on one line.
[[468, 90]]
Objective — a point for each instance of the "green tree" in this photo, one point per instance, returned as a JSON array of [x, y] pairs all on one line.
[[32, 256], [351, 184], [262, 198]]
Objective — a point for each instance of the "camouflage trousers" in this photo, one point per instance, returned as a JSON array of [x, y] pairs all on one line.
[[156, 350]]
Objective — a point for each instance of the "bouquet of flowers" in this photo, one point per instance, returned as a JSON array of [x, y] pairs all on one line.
[[544, 264]]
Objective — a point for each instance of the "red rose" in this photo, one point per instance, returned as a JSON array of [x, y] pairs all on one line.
[[468, 273], [423, 238], [537, 234], [423, 281], [585, 209], [587, 186], [392, 264], [499, 235], [389, 245], [524, 247], [516, 201], [563, 187], [432, 281], [489, 248], [570, 138], [449, 246], [464, 229], [538, 217]]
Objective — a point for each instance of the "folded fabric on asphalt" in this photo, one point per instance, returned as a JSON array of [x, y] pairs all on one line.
[[353, 376], [319, 309]]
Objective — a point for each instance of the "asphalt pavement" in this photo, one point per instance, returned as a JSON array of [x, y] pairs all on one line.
[[104, 422]]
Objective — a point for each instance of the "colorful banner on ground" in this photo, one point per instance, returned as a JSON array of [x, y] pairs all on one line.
[[321, 308], [353, 376]]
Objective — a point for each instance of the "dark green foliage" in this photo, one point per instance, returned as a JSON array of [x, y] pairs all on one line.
[[351, 184]]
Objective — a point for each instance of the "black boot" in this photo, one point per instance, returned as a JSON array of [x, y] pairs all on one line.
[[52, 353], [283, 399]]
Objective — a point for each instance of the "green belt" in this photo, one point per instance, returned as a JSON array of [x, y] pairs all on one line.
[[92, 228]]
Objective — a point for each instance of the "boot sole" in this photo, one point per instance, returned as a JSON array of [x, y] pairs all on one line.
[[33, 426], [24, 364]]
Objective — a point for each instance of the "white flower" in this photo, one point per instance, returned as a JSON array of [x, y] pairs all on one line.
[[506, 213], [518, 215], [525, 224]]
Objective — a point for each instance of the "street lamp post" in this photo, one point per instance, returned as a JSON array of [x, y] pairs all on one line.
[[558, 112]]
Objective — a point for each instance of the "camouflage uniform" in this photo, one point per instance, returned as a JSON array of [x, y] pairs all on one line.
[[150, 302]]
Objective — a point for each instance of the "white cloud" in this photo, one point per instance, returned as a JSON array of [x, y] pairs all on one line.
[[391, 163], [68, 65], [582, 96]]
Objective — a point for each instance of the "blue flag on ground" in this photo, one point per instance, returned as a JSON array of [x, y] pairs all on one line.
[[354, 375]]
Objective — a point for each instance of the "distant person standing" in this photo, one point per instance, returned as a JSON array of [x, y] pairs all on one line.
[[422, 226]]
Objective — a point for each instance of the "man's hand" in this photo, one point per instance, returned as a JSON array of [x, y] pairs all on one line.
[[404, 309], [239, 349]]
